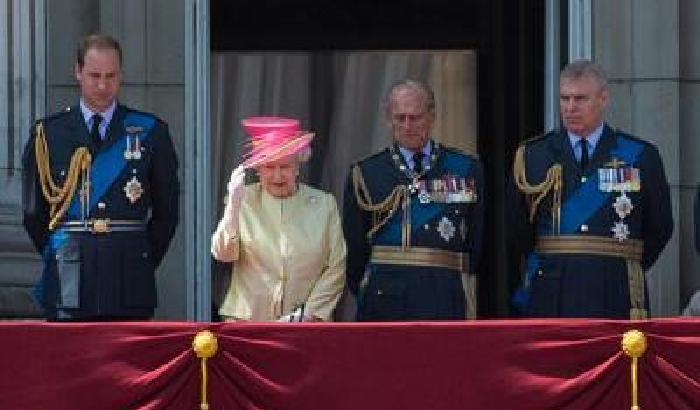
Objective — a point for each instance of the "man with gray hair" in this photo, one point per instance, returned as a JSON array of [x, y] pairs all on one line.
[[412, 219], [595, 209]]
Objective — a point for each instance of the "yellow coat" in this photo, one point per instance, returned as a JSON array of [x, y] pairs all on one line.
[[288, 251]]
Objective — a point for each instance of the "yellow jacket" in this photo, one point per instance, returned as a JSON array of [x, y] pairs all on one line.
[[288, 251]]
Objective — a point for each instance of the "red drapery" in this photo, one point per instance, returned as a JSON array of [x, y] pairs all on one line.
[[526, 364]]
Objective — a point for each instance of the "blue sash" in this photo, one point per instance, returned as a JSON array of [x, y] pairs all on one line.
[[109, 164], [421, 214], [588, 199], [55, 241]]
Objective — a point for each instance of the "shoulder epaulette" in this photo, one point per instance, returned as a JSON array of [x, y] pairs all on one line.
[[145, 113], [459, 151], [534, 138], [371, 156], [55, 115]]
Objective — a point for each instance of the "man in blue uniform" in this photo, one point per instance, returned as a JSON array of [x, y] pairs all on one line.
[[100, 197], [596, 209], [412, 219]]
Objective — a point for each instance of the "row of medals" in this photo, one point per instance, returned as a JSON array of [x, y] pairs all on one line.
[[133, 188], [446, 189], [622, 180]]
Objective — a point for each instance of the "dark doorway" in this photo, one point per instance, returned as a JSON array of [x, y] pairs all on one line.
[[508, 37]]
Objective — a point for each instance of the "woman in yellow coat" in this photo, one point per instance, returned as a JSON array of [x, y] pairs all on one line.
[[284, 237]]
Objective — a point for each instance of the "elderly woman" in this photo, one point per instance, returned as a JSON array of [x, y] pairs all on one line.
[[284, 237]]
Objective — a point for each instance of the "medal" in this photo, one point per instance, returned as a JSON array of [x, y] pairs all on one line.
[[623, 205], [133, 189], [446, 229], [620, 231], [133, 143]]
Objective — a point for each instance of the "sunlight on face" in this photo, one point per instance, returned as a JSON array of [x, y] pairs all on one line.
[[410, 119], [279, 178], [582, 104], [99, 78]]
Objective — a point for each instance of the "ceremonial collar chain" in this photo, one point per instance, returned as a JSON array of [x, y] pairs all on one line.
[[401, 165]]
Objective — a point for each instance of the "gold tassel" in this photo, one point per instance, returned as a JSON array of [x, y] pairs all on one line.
[[205, 346], [635, 276], [381, 212], [536, 193], [634, 344], [60, 197]]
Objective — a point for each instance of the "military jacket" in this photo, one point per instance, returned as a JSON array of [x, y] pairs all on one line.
[[442, 210], [109, 274], [622, 194]]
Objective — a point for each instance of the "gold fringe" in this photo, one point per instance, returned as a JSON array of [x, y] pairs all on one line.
[[60, 197], [635, 276], [381, 212], [536, 193]]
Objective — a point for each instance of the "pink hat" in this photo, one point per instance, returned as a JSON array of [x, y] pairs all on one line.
[[272, 138]]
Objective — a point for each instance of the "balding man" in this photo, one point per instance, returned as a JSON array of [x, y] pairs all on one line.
[[596, 209], [412, 219]]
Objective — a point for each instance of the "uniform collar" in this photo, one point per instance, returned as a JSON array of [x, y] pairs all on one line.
[[106, 115], [592, 138], [408, 155]]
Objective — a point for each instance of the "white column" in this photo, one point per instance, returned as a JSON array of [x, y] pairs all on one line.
[[197, 160], [580, 29], [551, 65], [5, 56]]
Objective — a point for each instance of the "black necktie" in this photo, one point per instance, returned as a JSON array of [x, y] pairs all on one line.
[[418, 162], [95, 130], [584, 153]]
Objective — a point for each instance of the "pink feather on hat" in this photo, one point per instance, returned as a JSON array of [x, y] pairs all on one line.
[[272, 138]]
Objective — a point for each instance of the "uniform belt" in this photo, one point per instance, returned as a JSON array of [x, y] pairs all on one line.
[[419, 256], [590, 245], [103, 225]]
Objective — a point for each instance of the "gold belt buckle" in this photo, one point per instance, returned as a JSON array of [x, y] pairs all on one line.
[[100, 226]]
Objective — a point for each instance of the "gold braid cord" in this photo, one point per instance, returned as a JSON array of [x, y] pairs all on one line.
[[59, 197], [536, 193], [381, 212]]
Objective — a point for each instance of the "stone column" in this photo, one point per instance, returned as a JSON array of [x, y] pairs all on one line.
[[637, 42], [689, 84], [22, 98]]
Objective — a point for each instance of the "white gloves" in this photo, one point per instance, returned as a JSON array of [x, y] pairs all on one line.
[[236, 190], [295, 316], [298, 315]]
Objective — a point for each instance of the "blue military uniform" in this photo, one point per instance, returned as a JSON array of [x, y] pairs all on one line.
[[100, 255], [593, 231], [413, 239]]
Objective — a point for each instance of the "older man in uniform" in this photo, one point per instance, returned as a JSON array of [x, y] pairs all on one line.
[[412, 220], [100, 197], [596, 209]]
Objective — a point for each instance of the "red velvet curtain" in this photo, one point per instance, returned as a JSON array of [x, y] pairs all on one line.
[[528, 364]]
